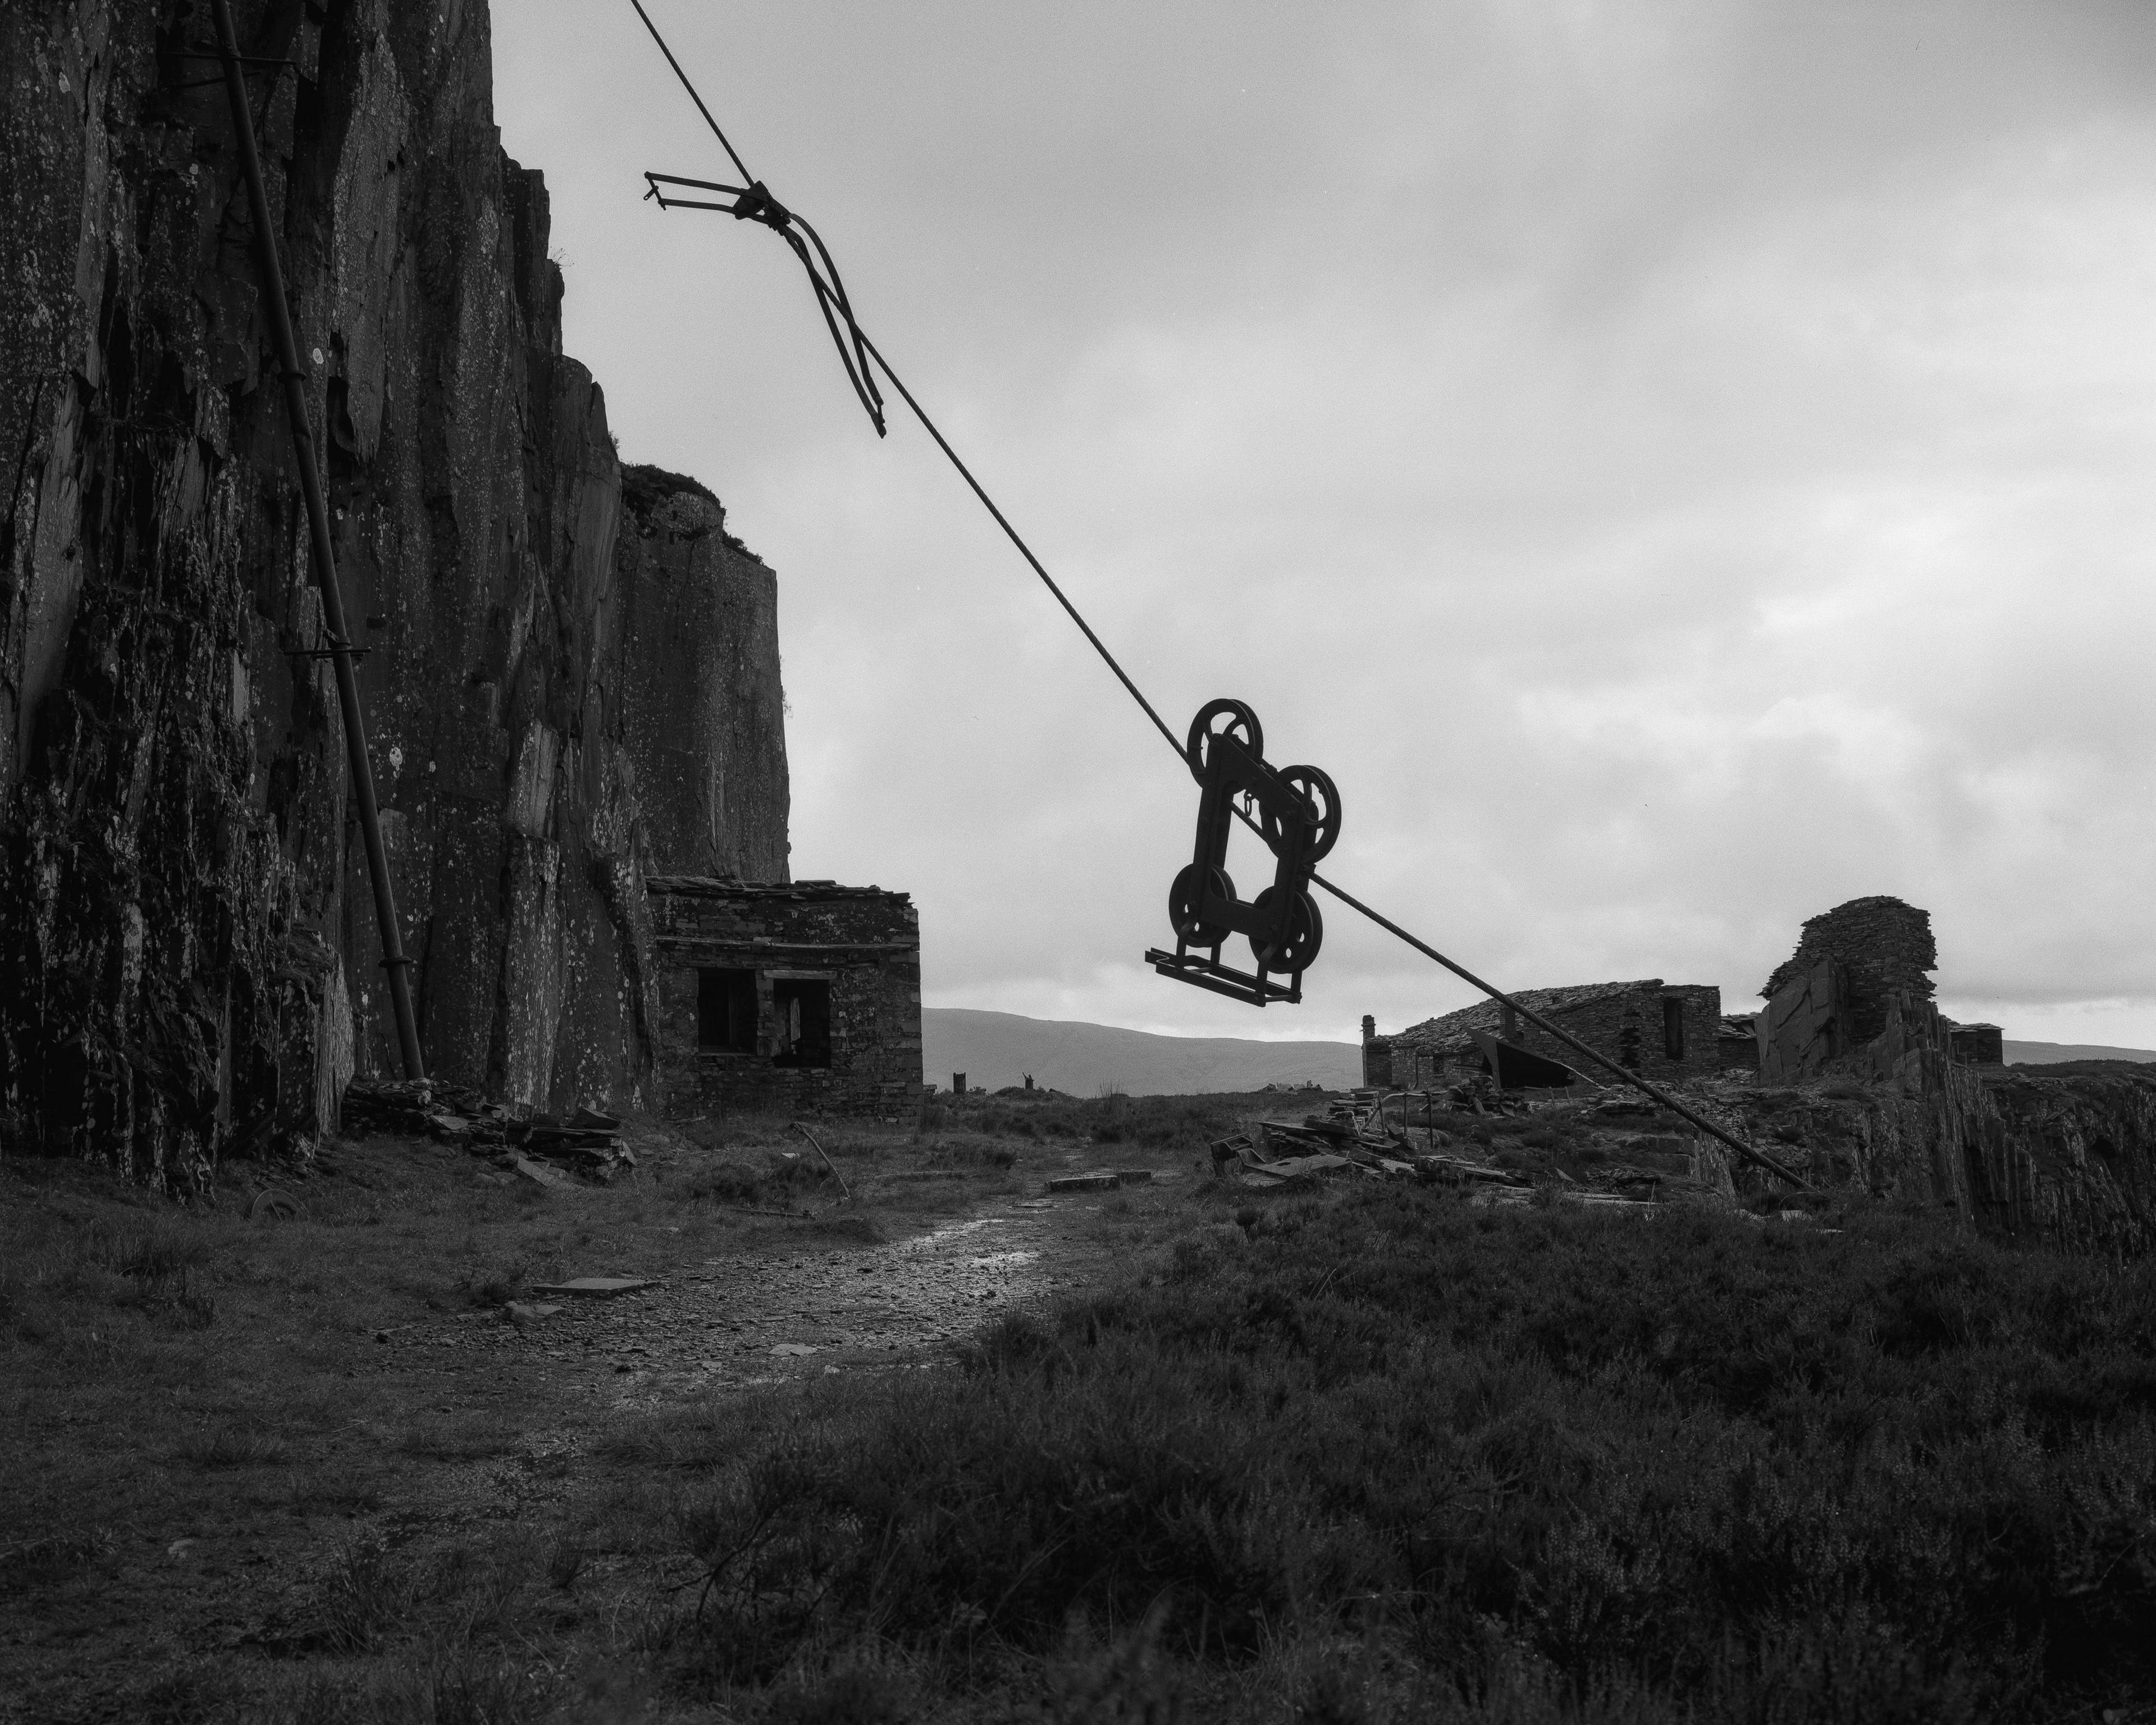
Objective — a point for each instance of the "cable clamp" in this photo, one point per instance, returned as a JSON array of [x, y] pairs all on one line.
[[756, 204]]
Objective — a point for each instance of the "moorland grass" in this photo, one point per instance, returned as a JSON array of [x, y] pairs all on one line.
[[1422, 1458], [1377, 1455]]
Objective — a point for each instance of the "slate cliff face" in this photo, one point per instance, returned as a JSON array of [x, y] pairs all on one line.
[[2068, 1158], [564, 691]]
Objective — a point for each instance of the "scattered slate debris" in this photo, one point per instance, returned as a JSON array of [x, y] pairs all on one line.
[[596, 1287], [536, 1146], [540, 1173], [422, 1108], [1457, 1171], [1351, 1140]]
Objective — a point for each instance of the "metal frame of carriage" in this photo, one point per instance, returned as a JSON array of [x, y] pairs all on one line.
[[1296, 810]]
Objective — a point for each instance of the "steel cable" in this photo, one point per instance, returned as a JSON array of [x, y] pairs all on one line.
[[755, 202]]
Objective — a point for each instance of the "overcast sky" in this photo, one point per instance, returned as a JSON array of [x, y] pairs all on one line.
[[1677, 466]]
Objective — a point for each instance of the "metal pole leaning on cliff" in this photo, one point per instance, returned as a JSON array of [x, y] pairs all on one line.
[[325, 556]]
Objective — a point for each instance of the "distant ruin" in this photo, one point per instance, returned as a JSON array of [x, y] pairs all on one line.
[[1659, 1030], [1860, 971], [1856, 994], [1883, 948]]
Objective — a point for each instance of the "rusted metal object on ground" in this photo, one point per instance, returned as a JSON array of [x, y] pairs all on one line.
[[1296, 810]]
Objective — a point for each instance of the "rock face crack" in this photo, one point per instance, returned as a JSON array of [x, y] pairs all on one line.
[[571, 679]]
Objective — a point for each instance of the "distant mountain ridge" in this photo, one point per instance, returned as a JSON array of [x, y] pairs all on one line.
[[994, 1049], [2047, 1053]]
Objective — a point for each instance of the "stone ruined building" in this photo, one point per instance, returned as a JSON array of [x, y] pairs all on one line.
[[786, 997], [1659, 1030], [1861, 972], [571, 682], [1923, 1109]]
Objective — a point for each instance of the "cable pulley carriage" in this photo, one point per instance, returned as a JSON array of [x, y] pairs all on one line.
[[1296, 811]]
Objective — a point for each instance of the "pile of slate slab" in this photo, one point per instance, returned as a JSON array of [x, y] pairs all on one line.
[[540, 1147], [1350, 1141]]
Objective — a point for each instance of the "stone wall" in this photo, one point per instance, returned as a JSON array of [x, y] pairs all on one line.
[[184, 921], [863, 943], [1884, 948], [1737, 1047], [1626, 1021], [1377, 1056]]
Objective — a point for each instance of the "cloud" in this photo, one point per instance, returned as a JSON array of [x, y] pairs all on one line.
[[1676, 467]]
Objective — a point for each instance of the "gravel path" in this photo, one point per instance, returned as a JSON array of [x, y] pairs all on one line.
[[769, 1315]]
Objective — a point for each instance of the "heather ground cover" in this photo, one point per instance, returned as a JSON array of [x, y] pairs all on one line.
[[1365, 1455]]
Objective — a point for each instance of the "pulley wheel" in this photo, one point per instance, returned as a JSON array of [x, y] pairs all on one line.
[[1183, 907], [1316, 784], [1223, 718], [1305, 933]]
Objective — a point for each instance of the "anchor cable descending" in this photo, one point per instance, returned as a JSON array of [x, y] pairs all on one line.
[[754, 202]]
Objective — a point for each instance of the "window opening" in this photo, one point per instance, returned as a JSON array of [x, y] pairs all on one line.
[[726, 1011], [803, 1011], [1673, 1040]]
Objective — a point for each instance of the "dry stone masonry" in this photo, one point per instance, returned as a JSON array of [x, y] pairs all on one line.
[[1660, 1031], [1882, 948], [787, 997]]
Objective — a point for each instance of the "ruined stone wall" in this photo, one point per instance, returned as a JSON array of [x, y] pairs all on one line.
[[1623, 1020], [1629, 1027], [1884, 948], [864, 943], [184, 922], [1377, 1056]]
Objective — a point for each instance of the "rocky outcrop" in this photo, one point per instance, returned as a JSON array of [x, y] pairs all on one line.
[[564, 691], [703, 723], [1801, 1030], [2069, 1160]]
